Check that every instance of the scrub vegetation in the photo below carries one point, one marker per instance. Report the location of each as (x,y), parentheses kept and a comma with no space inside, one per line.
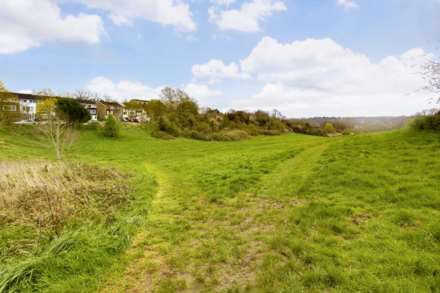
(287,213)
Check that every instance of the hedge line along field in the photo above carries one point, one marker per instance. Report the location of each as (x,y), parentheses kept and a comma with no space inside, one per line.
(289,213)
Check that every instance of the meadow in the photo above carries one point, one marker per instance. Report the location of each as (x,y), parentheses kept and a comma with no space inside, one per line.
(289,213)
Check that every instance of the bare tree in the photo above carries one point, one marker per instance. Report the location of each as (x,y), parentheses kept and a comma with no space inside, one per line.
(85,95)
(59,133)
(432,76)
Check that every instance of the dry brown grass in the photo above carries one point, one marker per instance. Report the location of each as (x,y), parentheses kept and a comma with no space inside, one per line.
(49,194)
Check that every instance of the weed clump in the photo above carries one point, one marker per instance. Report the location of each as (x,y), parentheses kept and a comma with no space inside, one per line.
(47,196)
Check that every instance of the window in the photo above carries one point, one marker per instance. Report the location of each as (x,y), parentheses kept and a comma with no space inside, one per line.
(11,108)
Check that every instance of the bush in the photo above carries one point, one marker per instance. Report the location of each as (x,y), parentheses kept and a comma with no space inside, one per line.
(270,132)
(162,135)
(431,122)
(230,135)
(165,125)
(198,135)
(111,127)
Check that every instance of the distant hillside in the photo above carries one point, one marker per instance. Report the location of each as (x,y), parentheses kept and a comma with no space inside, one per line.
(360,124)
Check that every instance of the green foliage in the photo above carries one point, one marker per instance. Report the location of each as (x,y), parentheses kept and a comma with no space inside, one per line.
(230,135)
(162,135)
(111,127)
(72,111)
(328,128)
(179,115)
(431,122)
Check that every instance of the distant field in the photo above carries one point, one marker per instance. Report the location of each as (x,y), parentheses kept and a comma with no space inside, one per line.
(288,213)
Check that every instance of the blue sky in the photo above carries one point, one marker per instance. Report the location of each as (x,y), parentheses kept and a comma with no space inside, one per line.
(303,57)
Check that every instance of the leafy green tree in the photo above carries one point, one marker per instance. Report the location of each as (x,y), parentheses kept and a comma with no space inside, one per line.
(111,127)
(72,111)
(329,128)
(155,109)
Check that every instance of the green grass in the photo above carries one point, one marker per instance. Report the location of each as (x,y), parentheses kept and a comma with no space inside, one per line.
(288,213)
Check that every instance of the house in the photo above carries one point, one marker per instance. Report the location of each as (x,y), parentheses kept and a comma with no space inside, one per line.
(23,104)
(105,108)
(134,111)
(91,106)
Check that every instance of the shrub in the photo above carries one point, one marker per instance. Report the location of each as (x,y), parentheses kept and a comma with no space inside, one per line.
(111,127)
(270,132)
(431,122)
(198,135)
(230,135)
(328,128)
(162,135)
(165,125)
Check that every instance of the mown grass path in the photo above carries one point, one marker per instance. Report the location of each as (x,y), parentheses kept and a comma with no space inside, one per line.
(200,245)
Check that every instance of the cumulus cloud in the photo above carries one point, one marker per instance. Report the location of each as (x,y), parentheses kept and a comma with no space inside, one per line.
(348,4)
(174,13)
(320,77)
(122,90)
(27,24)
(216,70)
(248,17)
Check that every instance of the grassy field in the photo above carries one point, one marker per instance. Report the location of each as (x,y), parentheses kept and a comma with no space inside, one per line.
(287,213)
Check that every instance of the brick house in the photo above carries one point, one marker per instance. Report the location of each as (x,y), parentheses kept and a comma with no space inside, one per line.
(105,108)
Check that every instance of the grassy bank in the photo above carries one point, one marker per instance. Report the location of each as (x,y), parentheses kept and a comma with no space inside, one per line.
(276,214)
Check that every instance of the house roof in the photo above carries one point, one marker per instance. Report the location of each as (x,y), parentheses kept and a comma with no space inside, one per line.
(139,101)
(85,101)
(27,96)
(110,103)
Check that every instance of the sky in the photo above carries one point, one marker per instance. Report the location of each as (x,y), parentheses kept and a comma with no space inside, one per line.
(302,57)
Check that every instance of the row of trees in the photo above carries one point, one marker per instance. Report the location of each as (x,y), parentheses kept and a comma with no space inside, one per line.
(176,114)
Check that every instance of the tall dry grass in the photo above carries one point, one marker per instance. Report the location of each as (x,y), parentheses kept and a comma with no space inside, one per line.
(49,194)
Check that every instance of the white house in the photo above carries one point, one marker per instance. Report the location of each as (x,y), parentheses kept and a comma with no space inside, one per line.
(90,106)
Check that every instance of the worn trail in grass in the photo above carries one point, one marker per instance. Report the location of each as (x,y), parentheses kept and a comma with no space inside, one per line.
(192,243)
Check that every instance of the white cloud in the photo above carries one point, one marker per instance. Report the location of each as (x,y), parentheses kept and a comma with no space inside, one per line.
(321,77)
(216,70)
(348,4)
(27,24)
(202,93)
(174,13)
(223,2)
(122,90)
(248,18)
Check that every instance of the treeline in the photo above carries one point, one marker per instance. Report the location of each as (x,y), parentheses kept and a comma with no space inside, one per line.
(176,114)
(429,120)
